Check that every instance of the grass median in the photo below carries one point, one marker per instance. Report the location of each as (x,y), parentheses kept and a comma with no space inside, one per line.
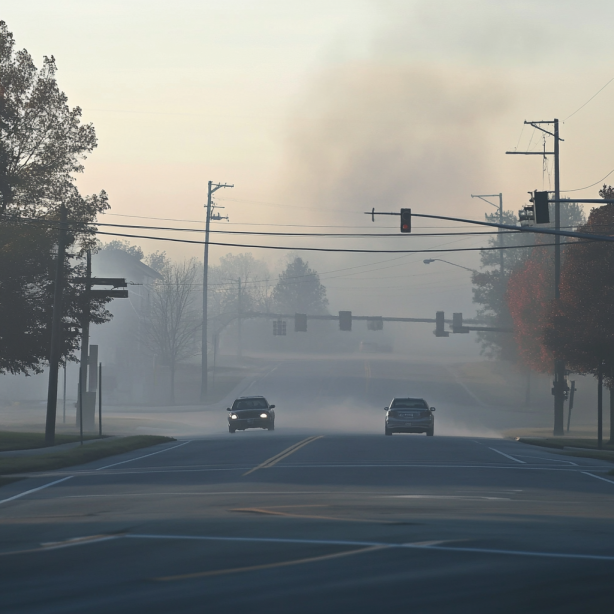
(78,455)
(16,440)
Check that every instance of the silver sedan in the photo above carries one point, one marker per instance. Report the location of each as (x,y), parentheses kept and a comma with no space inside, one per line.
(409,415)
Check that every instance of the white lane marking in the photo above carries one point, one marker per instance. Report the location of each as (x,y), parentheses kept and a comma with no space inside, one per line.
(263,540)
(78,541)
(462,497)
(27,492)
(551,460)
(413,546)
(144,456)
(336,466)
(206,494)
(598,477)
(507,456)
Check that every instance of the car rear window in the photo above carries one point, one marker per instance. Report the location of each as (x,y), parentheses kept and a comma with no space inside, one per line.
(250,404)
(409,404)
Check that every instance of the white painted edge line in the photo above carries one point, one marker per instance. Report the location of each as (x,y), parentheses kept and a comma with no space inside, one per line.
(598,477)
(508,456)
(27,492)
(185,443)
(414,546)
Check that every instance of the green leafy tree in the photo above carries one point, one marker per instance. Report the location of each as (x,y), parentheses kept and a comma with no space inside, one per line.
(42,147)
(27,272)
(299,290)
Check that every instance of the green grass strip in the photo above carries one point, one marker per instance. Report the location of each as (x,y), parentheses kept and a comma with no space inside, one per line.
(13,440)
(78,455)
(589,446)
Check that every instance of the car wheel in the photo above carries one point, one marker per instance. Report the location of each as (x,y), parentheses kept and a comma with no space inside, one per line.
(387,431)
(231,430)
(430,432)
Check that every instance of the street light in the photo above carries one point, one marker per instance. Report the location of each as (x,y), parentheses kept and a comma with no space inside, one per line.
(460,266)
(485,198)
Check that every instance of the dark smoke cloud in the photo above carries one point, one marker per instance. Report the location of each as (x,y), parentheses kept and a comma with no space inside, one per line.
(391,135)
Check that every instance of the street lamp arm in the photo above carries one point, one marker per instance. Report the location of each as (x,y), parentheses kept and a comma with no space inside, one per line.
(460,266)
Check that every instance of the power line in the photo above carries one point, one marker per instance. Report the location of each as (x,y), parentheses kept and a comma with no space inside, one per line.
(302,234)
(326,249)
(591,98)
(272,234)
(592,184)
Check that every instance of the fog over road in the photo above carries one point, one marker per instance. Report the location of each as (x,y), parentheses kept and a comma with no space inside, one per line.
(325,514)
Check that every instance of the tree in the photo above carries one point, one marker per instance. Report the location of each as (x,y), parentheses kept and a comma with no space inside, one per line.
(223,287)
(174,319)
(491,287)
(530,291)
(27,269)
(299,290)
(43,142)
(580,326)
(42,146)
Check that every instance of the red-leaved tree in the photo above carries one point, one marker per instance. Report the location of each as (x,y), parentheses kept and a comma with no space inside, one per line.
(580,327)
(530,291)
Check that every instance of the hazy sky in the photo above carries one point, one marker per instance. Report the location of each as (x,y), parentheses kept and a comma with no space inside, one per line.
(319,110)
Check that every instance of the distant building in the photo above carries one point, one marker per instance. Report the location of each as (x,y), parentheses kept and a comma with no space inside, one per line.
(129,365)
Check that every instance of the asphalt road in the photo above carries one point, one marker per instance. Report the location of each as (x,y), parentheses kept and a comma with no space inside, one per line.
(315,520)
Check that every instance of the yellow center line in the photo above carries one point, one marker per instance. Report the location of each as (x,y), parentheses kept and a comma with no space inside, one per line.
(313,559)
(283,454)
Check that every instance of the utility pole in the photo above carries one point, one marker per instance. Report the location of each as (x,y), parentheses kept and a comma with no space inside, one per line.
(239,309)
(558,389)
(500,196)
(212,187)
(85,339)
(56,334)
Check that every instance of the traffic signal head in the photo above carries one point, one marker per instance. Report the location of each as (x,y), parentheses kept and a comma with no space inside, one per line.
(300,322)
(345,320)
(440,325)
(405,220)
(540,202)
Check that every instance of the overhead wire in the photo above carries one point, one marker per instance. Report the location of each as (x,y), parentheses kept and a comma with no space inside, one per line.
(590,99)
(171,219)
(322,249)
(592,184)
(297,234)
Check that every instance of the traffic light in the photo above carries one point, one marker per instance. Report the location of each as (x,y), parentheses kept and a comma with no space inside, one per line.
(376,323)
(440,325)
(405,220)
(279,327)
(540,203)
(300,322)
(457,323)
(345,320)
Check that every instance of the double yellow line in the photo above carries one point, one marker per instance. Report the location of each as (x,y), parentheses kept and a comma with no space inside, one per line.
(291,450)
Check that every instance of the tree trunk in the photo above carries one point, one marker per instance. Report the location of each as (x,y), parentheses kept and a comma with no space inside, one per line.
(172,395)
(600,406)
